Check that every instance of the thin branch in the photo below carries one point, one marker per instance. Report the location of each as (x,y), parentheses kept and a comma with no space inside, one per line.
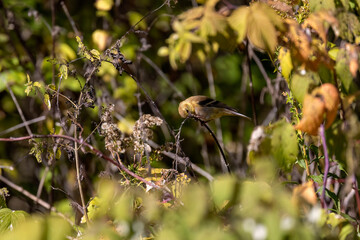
(42,181)
(183,161)
(53,38)
(342,109)
(210,77)
(92,149)
(19,110)
(162,74)
(357,197)
(266,77)
(251,82)
(34,198)
(219,146)
(326,167)
(23,124)
(132,28)
(72,23)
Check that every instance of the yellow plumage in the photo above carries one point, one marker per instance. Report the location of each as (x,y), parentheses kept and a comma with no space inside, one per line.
(206,109)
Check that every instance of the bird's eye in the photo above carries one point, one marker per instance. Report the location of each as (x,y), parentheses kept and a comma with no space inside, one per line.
(187,110)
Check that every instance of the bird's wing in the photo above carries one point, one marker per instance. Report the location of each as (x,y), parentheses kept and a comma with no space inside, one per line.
(209,102)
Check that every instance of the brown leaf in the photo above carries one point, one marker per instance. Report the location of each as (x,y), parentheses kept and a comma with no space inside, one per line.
(304,192)
(322,102)
(330,96)
(313,115)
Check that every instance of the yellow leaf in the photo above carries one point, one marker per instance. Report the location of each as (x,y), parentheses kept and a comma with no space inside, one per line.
(95,53)
(238,21)
(63,71)
(47,101)
(100,38)
(285,63)
(261,27)
(104,5)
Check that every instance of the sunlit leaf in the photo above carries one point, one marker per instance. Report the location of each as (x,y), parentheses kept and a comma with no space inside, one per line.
(10,219)
(238,21)
(317,5)
(284,144)
(47,101)
(300,84)
(104,5)
(224,190)
(100,38)
(323,101)
(285,63)
(63,71)
(262,24)
(304,192)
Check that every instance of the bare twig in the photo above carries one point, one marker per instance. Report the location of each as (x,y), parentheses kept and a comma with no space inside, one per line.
(53,38)
(210,77)
(132,28)
(251,82)
(23,124)
(357,197)
(72,23)
(92,149)
(34,198)
(183,161)
(162,74)
(266,77)
(220,148)
(19,110)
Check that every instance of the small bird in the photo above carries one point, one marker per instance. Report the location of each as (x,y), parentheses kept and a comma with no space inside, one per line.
(206,109)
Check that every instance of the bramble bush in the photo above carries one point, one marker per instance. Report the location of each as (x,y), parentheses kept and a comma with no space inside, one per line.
(92,145)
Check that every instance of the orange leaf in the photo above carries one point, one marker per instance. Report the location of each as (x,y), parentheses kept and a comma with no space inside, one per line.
(323,100)
(313,115)
(304,192)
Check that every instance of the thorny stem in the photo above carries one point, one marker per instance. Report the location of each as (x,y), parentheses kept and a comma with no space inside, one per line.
(327,165)
(251,82)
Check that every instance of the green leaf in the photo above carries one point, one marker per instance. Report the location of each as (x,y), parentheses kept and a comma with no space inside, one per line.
(135,17)
(300,84)
(317,5)
(9,219)
(347,231)
(54,228)
(223,190)
(343,70)
(284,144)
(63,71)
(349,26)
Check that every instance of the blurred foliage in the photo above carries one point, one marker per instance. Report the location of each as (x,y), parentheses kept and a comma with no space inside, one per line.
(101,81)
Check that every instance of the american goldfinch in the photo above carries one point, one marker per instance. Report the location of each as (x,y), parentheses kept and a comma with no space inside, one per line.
(206,109)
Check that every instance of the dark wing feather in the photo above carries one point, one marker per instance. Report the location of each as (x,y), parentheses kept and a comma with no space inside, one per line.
(208,102)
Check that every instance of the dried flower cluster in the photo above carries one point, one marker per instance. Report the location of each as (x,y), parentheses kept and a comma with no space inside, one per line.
(115,141)
(142,132)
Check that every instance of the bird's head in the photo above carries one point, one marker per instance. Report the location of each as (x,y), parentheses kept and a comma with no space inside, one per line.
(186,108)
